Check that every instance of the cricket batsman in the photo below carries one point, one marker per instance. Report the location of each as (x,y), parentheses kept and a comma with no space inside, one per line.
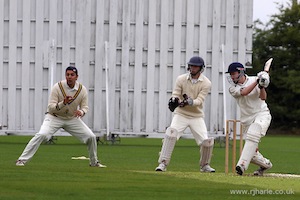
(250,94)
(187,103)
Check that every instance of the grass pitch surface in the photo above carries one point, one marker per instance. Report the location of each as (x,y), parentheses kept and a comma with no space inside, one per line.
(52,174)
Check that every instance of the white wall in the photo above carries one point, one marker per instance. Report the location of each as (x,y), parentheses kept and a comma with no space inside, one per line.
(149,43)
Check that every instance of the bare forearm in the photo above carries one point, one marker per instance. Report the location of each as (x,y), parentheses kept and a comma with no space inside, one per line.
(245,91)
(263,94)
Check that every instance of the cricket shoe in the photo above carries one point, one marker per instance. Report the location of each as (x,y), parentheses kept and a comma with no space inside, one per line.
(261,170)
(161,168)
(98,164)
(20,163)
(207,168)
(239,170)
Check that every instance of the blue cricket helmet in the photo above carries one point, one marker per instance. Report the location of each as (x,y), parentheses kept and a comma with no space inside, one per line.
(196,61)
(235,67)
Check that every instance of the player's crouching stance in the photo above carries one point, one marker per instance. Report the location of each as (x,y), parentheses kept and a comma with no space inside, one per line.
(187,103)
(250,95)
(68,102)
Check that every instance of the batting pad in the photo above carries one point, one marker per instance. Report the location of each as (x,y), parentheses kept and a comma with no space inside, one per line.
(254,133)
(261,161)
(168,146)
(206,150)
(247,153)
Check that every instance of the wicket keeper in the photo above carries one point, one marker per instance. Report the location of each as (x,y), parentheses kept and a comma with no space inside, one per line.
(187,103)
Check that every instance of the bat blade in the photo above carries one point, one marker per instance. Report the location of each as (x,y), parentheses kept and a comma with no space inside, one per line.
(268,65)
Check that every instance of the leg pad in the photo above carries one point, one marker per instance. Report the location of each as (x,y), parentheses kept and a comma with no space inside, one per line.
(168,146)
(206,150)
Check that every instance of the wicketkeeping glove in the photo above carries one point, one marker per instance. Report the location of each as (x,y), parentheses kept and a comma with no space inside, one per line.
(173,103)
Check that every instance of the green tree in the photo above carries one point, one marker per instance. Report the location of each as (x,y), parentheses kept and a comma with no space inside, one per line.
(280,39)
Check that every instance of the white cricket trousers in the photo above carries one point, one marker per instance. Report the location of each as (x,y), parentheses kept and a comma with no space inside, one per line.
(76,127)
(196,125)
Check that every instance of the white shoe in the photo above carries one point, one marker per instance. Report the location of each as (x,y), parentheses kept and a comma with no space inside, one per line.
(98,164)
(161,168)
(239,170)
(207,168)
(20,163)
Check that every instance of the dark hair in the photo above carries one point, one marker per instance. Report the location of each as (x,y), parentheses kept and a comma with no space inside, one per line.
(72,68)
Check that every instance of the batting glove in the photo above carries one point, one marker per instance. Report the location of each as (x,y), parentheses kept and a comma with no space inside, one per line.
(262,73)
(264,81)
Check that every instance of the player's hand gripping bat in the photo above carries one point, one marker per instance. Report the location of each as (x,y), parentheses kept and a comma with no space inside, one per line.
(263,77)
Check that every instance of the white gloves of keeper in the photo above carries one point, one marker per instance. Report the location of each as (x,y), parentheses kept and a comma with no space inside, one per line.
(263,79)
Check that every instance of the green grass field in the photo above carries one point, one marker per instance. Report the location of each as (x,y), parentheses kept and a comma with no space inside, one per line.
(51,174)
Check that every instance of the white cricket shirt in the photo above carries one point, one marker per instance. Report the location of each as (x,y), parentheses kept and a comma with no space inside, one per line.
(250,105)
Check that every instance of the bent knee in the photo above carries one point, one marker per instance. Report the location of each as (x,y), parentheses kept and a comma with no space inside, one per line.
(90,138)
(172,132)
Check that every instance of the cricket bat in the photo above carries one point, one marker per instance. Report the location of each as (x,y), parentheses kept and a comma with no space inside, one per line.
(268,65)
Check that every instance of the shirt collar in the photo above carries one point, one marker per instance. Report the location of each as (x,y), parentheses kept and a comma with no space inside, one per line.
(74,88)
(246,80)
(188,77)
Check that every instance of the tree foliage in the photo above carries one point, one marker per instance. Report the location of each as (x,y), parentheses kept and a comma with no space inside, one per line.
(280,39)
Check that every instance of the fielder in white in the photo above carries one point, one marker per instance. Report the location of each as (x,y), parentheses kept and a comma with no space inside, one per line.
(250,95)
(68,102)
(187,103)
